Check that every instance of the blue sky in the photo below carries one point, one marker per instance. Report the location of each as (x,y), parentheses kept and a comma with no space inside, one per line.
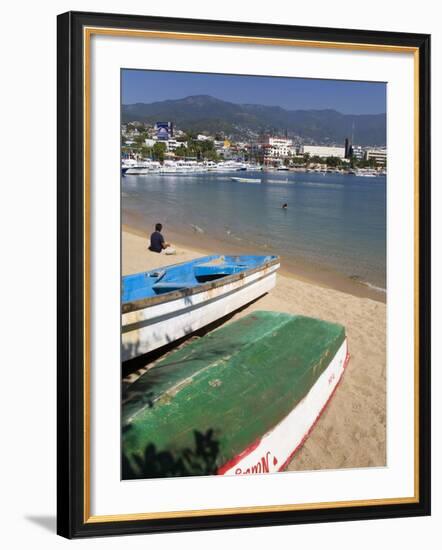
(348,97)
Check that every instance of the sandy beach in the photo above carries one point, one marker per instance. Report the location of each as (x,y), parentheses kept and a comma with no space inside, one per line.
(351,432)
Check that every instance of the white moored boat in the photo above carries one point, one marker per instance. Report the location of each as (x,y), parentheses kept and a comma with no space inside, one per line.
(229,166)
(366,173)
(139,168)
(164,305)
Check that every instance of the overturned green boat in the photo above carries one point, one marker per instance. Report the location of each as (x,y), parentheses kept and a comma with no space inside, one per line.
(240,400)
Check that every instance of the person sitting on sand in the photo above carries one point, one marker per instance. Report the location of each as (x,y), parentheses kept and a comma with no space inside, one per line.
(157,242)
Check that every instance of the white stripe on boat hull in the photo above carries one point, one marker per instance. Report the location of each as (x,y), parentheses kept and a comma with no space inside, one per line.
(276,447)
(152,327)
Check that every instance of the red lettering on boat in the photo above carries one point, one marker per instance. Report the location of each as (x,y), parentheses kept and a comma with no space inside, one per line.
(261,467)
(265,462)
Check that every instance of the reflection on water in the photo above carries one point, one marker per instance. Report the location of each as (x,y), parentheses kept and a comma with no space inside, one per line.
(338,221)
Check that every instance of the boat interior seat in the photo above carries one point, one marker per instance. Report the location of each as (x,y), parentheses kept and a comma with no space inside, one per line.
(171,286)
(221,269)
(158,275)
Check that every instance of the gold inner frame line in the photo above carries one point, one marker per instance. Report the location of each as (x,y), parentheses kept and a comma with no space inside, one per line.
(250,40)
(87,33)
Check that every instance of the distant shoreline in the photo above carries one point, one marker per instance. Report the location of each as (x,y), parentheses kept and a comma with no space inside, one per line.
(205,244)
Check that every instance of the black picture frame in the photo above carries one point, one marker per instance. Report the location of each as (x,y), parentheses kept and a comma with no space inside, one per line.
(72,393)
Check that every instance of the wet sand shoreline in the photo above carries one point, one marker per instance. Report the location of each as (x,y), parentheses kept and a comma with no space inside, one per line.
(300,269)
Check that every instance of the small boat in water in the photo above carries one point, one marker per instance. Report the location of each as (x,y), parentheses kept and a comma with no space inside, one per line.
(240,400)
(164,305)
(246,180)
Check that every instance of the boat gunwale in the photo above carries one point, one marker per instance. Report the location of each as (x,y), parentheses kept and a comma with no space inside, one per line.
(143,303)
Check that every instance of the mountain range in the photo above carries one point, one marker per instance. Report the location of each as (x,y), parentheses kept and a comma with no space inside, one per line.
(204,113)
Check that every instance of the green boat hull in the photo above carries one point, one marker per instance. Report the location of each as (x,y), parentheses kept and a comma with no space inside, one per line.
(203,405)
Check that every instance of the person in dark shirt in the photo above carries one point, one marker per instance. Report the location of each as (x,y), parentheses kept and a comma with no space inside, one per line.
(157,242)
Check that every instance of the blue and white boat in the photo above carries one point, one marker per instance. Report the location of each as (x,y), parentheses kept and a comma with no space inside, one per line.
(166,304)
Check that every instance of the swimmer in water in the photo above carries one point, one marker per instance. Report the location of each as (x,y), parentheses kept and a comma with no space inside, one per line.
(284,206)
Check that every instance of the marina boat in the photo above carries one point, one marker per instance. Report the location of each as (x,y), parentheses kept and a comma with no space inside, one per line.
(240,400)
(137,171)
(252,167)
(126,164)
(131,166)
(246,180)
(209,165)
(180,167)
(139,168)
(169,167)
(153,166)
(188,167)
(366,173)
(163,305)
(228,166)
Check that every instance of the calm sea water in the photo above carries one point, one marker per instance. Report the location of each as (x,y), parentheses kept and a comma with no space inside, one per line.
(337,221)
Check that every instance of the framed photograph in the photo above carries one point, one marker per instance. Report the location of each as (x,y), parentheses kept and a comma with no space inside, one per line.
(243,274)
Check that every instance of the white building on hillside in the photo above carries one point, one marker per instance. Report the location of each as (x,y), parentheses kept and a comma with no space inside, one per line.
(171,144)
(323,151)
(278,147)
(358,152)
(273,148)
(379,155)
